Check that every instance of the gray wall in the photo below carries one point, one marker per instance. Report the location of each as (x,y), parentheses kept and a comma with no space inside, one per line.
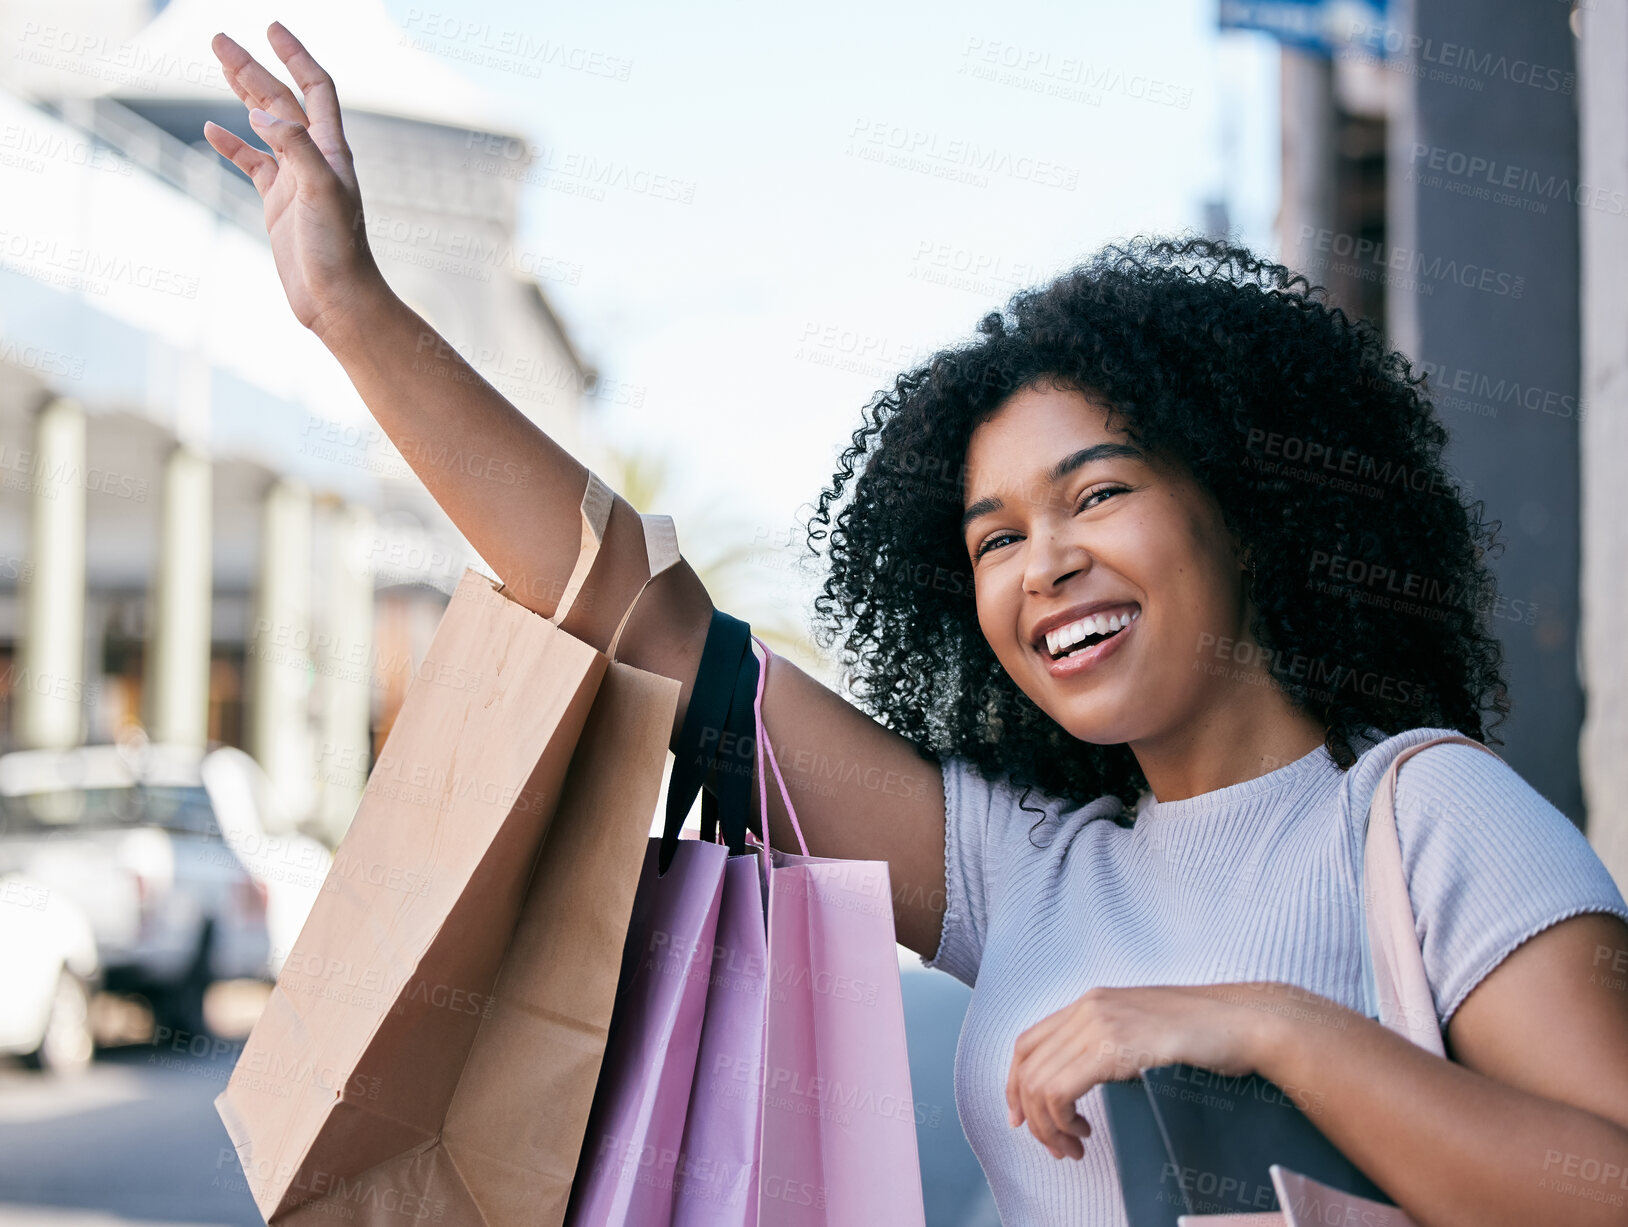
(1483,169)
(1602,78)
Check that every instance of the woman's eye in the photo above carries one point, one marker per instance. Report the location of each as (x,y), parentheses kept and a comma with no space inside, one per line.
(1088,501)
(990,544)
(1098,492)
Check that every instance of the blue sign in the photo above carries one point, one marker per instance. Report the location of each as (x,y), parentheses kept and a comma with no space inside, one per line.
(1323,26)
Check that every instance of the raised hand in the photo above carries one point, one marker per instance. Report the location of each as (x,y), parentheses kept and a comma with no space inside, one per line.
(312,203)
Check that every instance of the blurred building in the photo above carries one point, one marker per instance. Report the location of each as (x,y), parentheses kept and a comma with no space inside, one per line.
(1602,656)
(204,533)
(1457,170)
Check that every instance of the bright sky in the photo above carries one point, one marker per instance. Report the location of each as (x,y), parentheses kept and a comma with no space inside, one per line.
(802,264)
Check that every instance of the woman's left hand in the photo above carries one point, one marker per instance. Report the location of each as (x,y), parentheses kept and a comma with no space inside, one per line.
(1111,1034)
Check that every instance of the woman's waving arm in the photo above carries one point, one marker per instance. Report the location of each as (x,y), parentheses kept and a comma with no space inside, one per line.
(437,410)
(860,790)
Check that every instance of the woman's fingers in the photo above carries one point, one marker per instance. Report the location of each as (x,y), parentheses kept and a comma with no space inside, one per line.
(259,165)
(293,146)
(321,99)
(1047,1110)
(253,83)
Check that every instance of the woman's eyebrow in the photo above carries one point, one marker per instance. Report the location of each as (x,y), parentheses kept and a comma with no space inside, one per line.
(1058,471)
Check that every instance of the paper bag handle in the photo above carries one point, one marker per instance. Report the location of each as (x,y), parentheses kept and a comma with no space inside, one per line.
(597,499)
(661,552)
(1393,967)
(660,548)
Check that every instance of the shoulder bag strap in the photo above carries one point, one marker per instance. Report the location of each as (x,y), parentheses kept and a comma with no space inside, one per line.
(1395,986)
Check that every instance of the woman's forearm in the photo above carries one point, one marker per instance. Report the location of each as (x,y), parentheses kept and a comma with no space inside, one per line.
(1452,1146)
(510,489)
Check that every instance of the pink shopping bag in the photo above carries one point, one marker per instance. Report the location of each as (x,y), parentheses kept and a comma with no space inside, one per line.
(1306,1203)
(717,1184)
(718,1169)
(635,1131)
(632,1163)
(839,1123)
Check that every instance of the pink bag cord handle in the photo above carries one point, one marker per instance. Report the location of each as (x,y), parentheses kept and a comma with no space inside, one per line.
(766,750)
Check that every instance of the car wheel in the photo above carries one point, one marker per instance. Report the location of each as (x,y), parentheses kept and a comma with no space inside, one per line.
(68,1043)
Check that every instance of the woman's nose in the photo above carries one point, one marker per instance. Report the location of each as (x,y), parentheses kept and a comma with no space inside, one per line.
(1051,559)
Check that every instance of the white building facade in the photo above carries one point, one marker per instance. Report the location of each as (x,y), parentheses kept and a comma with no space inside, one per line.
(203,534)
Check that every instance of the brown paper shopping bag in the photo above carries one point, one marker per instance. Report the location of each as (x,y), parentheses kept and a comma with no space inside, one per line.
(432,1045)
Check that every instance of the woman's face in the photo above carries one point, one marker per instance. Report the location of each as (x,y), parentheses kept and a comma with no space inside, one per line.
(1066,518)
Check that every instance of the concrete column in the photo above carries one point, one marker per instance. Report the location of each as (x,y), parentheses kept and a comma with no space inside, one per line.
(1602,78)
(177,677)
(345,669)
(50,686)
(1308,122)
(281,670)
(1481,268)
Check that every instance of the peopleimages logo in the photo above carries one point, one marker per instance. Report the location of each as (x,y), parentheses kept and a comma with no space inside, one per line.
(343,1194)
(1371,255)
(1506,177)
(1449,62)
(922,149)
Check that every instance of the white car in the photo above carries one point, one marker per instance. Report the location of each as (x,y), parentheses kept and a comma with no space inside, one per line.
(129,834)
(289,865)
(48,970)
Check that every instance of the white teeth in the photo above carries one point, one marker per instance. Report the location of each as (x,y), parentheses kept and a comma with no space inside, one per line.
(1064,637)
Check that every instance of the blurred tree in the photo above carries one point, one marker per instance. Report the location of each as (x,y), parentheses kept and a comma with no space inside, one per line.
(744,570)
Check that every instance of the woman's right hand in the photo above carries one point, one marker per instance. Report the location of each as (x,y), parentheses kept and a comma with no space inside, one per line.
(312,203)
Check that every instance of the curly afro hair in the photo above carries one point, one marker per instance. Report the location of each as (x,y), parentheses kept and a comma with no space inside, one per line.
(1318,442)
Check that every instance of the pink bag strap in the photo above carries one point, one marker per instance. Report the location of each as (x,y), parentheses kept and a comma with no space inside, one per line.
(765,750)
(1393,957)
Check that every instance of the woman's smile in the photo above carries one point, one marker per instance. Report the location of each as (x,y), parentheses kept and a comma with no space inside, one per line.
(1084,650)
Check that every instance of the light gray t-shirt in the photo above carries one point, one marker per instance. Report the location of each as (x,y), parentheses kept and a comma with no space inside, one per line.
(1256,881)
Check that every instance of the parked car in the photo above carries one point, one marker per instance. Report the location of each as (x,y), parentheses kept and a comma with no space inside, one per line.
(130,836)
(291,866)
(48,971)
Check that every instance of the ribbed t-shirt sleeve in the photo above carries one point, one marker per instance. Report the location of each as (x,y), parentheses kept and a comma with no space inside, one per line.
(1490,863)
(967,804)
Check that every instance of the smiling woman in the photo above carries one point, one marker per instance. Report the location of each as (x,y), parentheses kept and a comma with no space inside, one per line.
(1123,550)
(1160,711)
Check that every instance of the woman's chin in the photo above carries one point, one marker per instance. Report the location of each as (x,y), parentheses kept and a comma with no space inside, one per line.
(1100,720)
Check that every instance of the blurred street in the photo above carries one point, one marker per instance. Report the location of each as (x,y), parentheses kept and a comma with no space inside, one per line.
(135,1138)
